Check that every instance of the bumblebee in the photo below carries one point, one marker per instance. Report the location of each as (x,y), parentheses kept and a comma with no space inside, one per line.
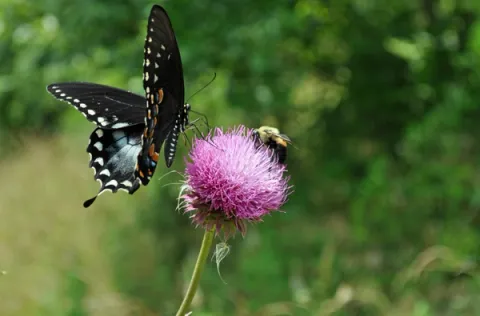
(271,137)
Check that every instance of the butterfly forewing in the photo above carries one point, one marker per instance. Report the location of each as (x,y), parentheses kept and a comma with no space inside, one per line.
(162,62)
(113,154)
(105,106)
(164,90)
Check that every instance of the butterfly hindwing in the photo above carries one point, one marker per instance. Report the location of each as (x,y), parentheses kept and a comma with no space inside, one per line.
(113,155)
(105,106)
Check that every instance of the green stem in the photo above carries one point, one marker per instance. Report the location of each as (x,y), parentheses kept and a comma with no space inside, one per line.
(197,272)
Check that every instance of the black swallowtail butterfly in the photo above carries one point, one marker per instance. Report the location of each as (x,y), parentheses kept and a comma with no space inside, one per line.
(124,148)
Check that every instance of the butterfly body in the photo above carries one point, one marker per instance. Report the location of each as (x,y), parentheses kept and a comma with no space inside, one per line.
(131,129)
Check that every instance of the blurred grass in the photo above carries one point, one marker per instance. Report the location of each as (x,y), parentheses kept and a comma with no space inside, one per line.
(51,246)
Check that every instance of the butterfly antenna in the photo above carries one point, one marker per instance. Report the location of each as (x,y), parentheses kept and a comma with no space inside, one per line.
(214,76)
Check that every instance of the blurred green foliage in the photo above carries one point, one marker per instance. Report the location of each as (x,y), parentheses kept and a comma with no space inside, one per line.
(380,99)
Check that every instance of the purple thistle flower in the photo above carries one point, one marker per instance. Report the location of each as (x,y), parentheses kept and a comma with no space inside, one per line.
(231,180)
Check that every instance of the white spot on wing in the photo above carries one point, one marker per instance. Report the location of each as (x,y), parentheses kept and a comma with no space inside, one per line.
(63,94)
(119,125)
(99,160)
(112,182)
(105,172)
(98,145)
(162,47)
(76,100)
(155,78)
(91,112)
(127,183)
(83,105)
(99,133)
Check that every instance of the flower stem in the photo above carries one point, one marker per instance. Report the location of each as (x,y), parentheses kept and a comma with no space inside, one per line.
(197,271)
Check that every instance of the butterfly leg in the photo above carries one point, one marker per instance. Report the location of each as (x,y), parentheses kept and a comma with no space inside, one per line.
(203,116)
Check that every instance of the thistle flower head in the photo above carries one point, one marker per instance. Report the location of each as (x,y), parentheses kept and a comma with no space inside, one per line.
(231,180)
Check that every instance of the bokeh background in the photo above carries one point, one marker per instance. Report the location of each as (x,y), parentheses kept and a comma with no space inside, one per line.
(381,99)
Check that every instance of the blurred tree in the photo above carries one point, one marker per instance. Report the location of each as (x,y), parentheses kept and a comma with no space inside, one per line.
(380,100)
